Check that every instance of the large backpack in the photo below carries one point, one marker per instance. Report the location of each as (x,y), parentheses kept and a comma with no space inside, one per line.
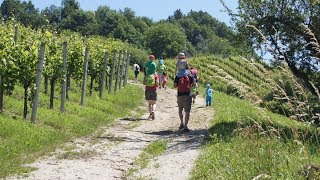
(150,80)
(184,84)
(162,67)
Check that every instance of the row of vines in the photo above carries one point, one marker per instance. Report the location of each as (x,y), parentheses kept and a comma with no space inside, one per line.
(29,57)
(273,88)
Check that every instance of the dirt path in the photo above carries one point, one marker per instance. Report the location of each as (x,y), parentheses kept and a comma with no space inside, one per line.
(110,153)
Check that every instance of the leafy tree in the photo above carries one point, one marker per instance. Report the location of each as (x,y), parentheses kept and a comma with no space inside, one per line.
(290,29)
(52,14)
(127,32)
(165,39)
(80,21)
(128,13)
(11,8)
(107,19)
(69,7)
(24,12)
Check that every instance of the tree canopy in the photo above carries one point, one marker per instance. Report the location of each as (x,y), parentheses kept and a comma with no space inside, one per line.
(289,29)
(197,32)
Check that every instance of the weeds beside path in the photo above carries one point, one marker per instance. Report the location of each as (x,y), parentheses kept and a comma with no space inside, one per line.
(114,152)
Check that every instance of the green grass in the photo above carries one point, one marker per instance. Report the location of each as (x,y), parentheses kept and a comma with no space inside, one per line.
(21,142)
(247,141)
(153,149)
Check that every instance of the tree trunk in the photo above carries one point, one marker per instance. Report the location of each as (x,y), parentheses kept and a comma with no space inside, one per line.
(52,83)
(296,72)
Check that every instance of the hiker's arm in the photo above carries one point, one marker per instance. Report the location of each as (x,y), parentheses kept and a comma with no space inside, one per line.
(175,82)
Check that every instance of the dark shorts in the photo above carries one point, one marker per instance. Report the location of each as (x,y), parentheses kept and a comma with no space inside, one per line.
(184,102)
(151,94)
(136,73)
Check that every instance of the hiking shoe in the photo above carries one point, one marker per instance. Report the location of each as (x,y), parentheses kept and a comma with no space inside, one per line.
(181,126)
(150,116)
(186,129)
(153,116)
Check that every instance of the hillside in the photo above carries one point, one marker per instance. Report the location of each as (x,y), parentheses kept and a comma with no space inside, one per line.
(273,88)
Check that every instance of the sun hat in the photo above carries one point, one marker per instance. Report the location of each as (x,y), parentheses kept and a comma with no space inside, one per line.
(208,86)
(181,56)
(151,57)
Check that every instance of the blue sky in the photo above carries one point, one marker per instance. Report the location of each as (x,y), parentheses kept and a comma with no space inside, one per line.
(156,10)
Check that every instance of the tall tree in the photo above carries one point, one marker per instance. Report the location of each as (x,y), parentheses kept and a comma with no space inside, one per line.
(165,39)
(52,14)
(69,7)
(290,29)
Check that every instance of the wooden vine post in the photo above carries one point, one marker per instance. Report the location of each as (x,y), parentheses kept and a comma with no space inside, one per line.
(85,74)
(118,72)
(126,70)
(122,70)
(64,80)
(103,75)
(112,71)
(35,100)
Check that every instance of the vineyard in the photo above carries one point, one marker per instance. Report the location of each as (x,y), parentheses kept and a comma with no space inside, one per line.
(29,55)
(41,69)
(273,88)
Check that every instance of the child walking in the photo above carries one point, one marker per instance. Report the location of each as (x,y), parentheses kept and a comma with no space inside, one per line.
(164,80)
(209,93)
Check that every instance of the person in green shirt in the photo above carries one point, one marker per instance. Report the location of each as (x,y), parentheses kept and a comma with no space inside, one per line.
(160,70)
(150,66)
(151,80)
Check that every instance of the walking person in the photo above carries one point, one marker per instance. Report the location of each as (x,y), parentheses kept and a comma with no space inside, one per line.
(209,92)
(184,98)
(194,89)
(164,78)
(136,69)
(160,70)
(151,80)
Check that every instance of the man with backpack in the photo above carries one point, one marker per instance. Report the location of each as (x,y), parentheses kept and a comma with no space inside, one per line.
(151,80)
(184,98)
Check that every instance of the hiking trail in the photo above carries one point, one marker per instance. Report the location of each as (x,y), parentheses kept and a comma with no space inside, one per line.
(111,151)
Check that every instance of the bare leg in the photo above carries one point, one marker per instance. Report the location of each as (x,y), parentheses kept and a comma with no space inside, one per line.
(181,117)
(186,118)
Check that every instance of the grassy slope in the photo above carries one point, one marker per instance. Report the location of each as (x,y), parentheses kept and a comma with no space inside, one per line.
(21,142)
(247,141)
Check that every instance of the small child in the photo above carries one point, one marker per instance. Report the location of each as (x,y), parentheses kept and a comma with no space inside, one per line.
(182,65)
(164,80)
(209,93)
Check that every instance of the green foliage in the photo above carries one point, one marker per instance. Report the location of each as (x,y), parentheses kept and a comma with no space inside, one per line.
(165,39)
(289,30)
(273,88)
(248,142)
(18,137)
(153,150)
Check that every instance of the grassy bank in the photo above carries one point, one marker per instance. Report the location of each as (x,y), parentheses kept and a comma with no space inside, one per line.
(248,142)
(21,142)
